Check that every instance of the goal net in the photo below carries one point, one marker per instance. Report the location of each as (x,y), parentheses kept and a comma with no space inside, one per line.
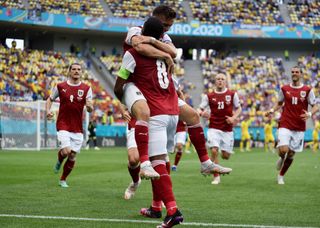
(24,126)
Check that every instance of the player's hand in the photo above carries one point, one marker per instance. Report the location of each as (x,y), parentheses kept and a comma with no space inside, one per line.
(181,95)
(126,116)
(170,64)
(230,120)
(203,114)
(306,115)
(89,106)
(50,115)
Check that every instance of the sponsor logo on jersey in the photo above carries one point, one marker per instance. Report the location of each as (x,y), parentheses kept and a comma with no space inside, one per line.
(64,90)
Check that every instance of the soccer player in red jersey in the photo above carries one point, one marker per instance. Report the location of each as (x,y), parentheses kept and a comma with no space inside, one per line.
(151,77)
(74,95)
(162,49)
(225,108)
(294,99)
(180,139)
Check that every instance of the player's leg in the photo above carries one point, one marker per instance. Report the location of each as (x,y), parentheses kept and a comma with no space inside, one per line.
(94,138)
(134,170)
(315,144)
(248,142)
(159,128)
(88,143)
(67,168)
(138,107)
(213,142)
(226,147)
(295,145)
(64,150)
(133,165)
(242,142)
(180,139)
(76,140)
(196,134)
(179,149)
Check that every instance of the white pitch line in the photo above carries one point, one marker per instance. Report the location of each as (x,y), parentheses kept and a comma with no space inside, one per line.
(144,221)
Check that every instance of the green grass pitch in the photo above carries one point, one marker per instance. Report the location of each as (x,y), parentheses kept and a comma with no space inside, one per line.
(248,196)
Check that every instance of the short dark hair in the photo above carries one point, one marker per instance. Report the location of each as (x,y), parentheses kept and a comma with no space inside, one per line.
(72,65)
(153,27)
(297,67)
(164,10)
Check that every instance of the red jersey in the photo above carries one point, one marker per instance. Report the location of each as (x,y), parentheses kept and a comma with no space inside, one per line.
(181,126)
(221,105)
(72,102)
(296,99)
(152,79)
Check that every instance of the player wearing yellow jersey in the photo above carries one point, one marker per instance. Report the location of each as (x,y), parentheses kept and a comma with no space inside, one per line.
(268,136)
(315,136)
(245,135)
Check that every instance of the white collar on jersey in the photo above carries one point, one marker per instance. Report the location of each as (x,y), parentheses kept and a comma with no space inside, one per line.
(225,90)
(296,87)
(70,84)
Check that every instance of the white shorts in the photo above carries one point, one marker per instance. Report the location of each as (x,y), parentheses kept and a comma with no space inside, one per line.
(131,140)
(131,95)
(293,139)
(221,139)
(181,102)
(180,137)
(162,129)
(70,139)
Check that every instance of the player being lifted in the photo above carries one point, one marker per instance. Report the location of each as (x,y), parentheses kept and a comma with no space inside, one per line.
(294,99)
(73,95)
(151,77)
(225,108)
(162,49)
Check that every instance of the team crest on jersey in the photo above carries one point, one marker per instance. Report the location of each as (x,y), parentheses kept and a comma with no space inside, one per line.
(303,94)
(228,99)
(80,92)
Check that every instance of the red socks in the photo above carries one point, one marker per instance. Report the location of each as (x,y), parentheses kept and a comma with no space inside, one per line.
(177,158)
(287,163)
(196,135)
(134,173)
(163,187)
(67,168)
(142,139)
